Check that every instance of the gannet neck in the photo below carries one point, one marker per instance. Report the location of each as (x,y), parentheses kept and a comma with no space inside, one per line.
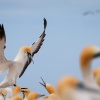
(50,88)
(20,56)
(16,90)
(27,93)
(9,92)
(87,72)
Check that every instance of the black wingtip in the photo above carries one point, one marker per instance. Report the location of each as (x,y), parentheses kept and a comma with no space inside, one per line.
(14,85)
(45,23)
(2,32)
(2,27)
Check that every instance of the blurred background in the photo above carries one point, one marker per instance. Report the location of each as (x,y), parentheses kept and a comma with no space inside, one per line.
(72,25)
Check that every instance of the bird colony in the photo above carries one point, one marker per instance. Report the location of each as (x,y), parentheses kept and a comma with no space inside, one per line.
(67,87)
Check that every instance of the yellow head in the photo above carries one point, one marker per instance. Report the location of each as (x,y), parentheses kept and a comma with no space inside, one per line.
(66,83)
(50,88)
(26,49)
(17,98)
(4,92)
(45,97)
(25,91)
(16,90)
(88,53)
(52,96)
(33,96)
(96,74)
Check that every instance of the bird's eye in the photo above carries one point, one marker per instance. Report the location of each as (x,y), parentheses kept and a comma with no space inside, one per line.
(28,53)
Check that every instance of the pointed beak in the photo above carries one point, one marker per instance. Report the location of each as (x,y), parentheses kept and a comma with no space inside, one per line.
(14,85)
(41,95)
(23,94)
(4,96)
(96,55)
(44,83)
(30,58)
(83,87)
(23,89)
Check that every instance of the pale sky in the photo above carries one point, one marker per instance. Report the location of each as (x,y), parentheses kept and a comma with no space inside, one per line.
(67,33)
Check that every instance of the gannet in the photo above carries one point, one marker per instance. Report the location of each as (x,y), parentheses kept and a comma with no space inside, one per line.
(87,55)
(17,67)
(71,88)
(3,94)
(16,93)
(9,93)
(48,87)
(26,92)
(34,96)
(96,74)
(53,96)
(51,90)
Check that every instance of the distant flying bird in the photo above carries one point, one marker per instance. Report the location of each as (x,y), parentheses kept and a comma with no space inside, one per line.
(88,13)
(17,67)
(91,12)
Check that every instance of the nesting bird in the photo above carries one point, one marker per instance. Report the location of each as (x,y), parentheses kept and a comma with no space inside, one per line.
(71,88)
(87,55)
(16,91)
(26,92)
(34,96)
(50,89)
(17,67)
(96,74)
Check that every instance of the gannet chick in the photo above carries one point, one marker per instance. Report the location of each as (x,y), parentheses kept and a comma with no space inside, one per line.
(48,87)
(34,96)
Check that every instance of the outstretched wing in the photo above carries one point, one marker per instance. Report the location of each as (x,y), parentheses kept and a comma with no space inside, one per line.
(2,43)
(35,48)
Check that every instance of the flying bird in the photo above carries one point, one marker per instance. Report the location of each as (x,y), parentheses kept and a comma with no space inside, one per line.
(91,12)
(17,67)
